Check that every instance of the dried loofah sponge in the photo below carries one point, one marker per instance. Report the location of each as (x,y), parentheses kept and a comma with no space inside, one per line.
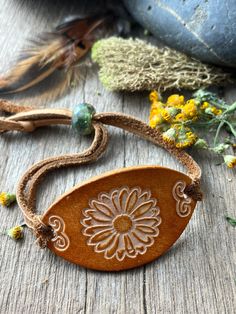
(134,65)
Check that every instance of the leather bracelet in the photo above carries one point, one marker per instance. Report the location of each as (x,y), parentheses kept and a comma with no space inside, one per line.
(118,220)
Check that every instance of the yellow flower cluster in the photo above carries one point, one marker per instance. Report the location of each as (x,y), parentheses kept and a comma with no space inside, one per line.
(169,118)
(210,109)
(179,135)
(175,116)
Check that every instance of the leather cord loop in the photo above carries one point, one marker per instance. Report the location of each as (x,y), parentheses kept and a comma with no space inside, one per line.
(26,191)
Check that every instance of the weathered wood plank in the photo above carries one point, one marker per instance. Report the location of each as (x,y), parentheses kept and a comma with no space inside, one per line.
(196,276)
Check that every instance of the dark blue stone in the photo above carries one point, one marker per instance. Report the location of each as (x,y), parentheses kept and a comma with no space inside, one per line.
(204,29)
(82,118)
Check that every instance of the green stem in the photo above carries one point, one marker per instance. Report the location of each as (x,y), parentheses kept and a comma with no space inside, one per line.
(209,123)
(218,131)
(231,127)
(231,108)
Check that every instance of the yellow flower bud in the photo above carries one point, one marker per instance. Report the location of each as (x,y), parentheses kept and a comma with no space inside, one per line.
(185,137)
(180,117)
(215,111)
(15,233)
(155,120)
(7,199)
(190,109)
(230,161)
(175,100)
(204,105)
(153,96)
(169,135)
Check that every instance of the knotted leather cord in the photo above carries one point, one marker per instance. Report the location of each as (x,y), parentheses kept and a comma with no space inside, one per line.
(27,119)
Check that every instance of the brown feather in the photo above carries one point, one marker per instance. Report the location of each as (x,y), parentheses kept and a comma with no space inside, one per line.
(59,50)
(70,79)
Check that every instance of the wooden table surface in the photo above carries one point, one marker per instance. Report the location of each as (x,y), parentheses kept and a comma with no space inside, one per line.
(197,275)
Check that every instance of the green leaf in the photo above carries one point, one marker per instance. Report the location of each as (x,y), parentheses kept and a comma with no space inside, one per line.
(220,148)
(231,221)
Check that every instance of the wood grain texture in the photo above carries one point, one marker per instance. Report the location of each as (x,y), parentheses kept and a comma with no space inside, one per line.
(196,276)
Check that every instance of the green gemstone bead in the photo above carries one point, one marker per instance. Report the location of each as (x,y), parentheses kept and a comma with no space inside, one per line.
(82,118)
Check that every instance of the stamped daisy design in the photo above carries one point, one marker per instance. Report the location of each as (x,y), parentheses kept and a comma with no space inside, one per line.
(121,223)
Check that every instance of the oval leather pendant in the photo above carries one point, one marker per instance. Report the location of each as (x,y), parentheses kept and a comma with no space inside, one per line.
(122,219)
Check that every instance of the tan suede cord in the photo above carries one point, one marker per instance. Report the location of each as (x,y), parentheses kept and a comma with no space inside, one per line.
(27,120)
(27,186)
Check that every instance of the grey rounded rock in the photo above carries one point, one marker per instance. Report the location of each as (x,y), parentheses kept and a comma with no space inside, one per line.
(204,29)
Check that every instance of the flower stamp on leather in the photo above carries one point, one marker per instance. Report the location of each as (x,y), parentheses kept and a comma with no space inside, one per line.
(121,223)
